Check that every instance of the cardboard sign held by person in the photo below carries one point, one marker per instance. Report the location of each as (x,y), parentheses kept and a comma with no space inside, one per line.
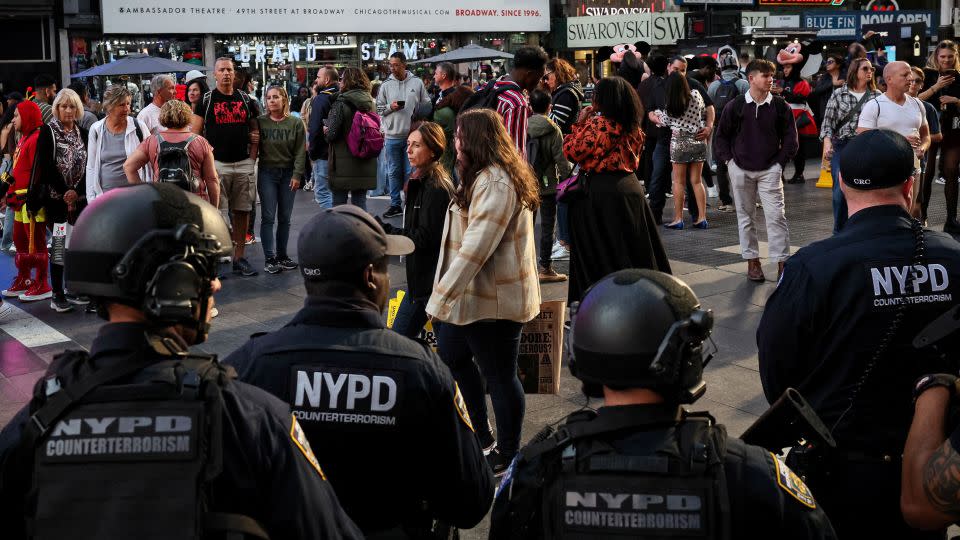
(427,335)
(541,348)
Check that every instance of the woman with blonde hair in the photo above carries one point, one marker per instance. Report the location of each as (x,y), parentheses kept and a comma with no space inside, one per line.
(486,285)
(348,174)
(59,185)
(943,91)
(175,117)
(112,140)
(428,196)
(283,160)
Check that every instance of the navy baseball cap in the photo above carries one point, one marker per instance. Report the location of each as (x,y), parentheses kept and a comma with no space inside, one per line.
(877,159)
(345,239)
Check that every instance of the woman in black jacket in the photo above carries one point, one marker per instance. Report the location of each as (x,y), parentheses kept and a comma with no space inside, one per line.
(428,196)
(58,188)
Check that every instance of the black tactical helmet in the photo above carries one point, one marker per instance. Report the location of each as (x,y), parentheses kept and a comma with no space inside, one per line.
(154,247)
(639,329)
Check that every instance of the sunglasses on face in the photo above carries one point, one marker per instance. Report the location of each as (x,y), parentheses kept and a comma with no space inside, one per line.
(867,68)
(831,62)
(547,75)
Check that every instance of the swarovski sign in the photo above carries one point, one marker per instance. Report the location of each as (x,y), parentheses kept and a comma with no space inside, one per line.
(654,28)
(324,16)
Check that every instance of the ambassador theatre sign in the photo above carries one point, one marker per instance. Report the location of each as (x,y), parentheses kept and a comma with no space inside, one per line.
(310,16)
(654,28)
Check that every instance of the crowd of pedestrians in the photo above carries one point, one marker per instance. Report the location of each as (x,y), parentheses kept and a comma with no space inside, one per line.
(468,169)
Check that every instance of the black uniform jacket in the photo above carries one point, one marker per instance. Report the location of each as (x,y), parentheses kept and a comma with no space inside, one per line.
(266,476)
(763,494)
(382,412)
(835,304)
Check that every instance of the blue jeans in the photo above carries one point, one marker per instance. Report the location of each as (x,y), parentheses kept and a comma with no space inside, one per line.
(494,346)
(839,202)
(358,197)
(276,205)
(382,173)
(397,168)
(411,316)
(321,186)
(563,226)
(7,240)
(660,178)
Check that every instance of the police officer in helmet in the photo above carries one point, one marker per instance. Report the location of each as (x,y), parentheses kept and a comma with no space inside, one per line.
(385,415)
(140,438)
(642,466)
(841,328)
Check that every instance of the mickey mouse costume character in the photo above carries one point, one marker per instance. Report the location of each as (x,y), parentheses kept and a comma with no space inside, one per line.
(796,92)
(29,233)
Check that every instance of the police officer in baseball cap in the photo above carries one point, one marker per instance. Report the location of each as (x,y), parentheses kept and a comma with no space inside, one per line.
(397,441)
(840,328)
(642,466)
(141,438)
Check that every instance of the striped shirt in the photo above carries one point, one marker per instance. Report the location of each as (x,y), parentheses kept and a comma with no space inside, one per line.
(514,109)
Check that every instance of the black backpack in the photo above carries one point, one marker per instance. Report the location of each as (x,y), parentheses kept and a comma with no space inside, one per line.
(173,164)
(487,97)
(726,92)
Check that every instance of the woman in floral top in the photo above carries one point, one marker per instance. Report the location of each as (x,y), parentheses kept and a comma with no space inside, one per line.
(59,187)
(685,118)
(611,224)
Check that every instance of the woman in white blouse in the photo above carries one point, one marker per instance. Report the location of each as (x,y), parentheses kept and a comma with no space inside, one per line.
(684,116)
(110,141)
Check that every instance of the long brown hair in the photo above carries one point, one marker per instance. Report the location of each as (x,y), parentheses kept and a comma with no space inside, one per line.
(485,143)
(854,69)
(436,141)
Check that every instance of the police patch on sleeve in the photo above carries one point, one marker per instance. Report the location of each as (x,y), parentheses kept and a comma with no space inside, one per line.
(461,406)
(301,442)
(792,484)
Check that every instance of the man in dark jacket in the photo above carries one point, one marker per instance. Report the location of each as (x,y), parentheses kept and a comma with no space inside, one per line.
(549,166)
(318,149)
(399,447)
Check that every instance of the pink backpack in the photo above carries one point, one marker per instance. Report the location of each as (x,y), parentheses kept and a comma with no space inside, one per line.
(365,140)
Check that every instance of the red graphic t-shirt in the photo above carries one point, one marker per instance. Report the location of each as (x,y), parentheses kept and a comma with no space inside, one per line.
(226,124)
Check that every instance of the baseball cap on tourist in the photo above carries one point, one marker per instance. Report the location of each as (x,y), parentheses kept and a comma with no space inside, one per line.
(877,159)
(193,74)
(345,239)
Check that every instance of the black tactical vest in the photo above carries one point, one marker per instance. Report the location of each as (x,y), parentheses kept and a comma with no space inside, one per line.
(131,460)
(674,489)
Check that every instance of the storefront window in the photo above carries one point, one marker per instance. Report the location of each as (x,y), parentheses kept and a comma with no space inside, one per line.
(290,61)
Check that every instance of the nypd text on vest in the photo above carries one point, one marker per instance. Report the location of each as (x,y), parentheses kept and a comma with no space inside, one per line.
(112,435)
(633,510)
(348,398)
(895,285)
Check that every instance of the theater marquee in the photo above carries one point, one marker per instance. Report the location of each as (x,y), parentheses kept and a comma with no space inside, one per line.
(324,16)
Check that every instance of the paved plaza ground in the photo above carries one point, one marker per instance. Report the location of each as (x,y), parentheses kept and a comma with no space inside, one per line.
(708,260)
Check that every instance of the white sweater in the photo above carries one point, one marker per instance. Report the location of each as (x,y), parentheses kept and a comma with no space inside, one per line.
(94,145)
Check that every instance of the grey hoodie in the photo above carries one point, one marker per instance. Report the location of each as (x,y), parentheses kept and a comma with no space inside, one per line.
(396,124)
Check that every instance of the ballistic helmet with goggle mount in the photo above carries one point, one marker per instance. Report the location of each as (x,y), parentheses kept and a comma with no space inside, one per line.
(640,329)
(153,247)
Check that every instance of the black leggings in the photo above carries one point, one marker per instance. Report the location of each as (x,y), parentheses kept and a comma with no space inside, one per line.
(949,168)
(926,182)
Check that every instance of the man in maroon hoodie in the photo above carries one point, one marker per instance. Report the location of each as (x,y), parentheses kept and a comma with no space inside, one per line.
(29,233)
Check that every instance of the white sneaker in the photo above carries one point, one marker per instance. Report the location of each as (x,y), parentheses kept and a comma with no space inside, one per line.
(225,259)
(214,312)
(308,186)
(940,180)
(560,253)
(713,192)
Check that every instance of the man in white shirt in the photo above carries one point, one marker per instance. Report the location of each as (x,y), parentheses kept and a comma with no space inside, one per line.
(163,88)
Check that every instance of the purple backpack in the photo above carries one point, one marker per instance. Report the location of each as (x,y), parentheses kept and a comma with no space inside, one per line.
(365,140)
